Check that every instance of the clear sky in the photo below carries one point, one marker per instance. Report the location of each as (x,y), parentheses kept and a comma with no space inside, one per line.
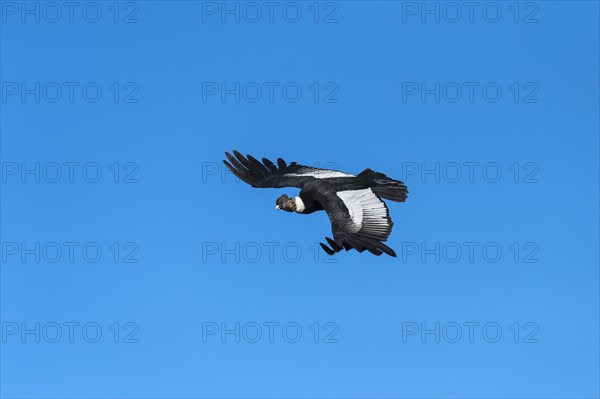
(134,266)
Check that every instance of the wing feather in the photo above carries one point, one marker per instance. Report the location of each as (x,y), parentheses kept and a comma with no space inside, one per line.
(359,220)
(270,165)
(268,174)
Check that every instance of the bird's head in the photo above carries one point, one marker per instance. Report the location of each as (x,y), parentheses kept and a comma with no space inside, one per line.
(286,203)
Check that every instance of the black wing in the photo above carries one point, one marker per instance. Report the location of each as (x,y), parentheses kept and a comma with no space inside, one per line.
(359,219)
(266,174)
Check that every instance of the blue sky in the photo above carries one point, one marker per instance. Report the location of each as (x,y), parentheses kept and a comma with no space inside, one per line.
(134,265)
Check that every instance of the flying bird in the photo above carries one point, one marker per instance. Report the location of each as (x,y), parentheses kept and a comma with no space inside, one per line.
(359,218)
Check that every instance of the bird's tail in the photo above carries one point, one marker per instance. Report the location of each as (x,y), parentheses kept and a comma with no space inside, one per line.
(386,188)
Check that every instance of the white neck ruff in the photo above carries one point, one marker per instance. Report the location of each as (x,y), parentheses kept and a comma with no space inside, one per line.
(299,205)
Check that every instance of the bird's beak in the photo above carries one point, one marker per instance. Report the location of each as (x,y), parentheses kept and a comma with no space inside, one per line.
(277,207)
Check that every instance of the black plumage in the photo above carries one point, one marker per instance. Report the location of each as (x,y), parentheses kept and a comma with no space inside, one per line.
(359,218)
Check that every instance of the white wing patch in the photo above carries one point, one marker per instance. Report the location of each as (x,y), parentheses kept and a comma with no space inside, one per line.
(320,173)
(367,211)
(355,209)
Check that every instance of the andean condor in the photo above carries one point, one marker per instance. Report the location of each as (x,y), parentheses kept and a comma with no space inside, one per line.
(359,218)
